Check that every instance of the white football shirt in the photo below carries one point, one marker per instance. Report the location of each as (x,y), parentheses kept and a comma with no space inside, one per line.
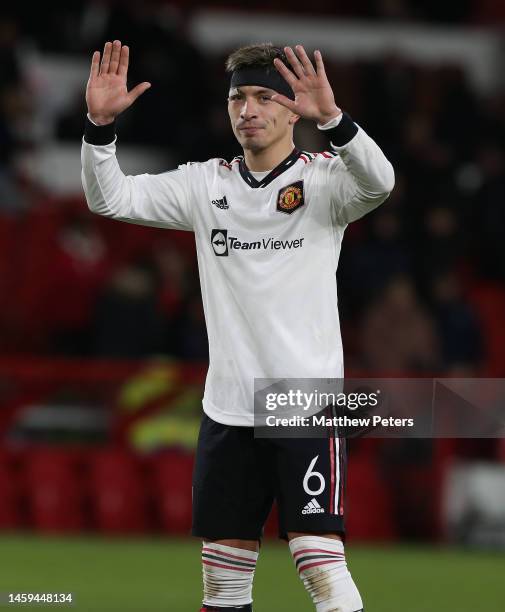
(267,254)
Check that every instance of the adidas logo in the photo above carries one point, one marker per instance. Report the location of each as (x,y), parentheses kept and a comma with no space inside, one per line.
(221,203)
(313,507)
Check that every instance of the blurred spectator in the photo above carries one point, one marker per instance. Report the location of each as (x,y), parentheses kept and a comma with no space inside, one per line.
(78,271)
(488,212)
(375,259)
(438,244)
(426,163)
(14,109)
(174,276)
(386,114)
(127,320)
(397,334)
(189,331)
(56,264)
(457,324)
(455,105)
(407,466)
(221,141)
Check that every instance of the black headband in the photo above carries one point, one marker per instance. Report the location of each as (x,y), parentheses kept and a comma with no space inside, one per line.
(266,77)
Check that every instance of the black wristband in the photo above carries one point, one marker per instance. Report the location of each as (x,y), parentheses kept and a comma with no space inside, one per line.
(99,134)
(345,131)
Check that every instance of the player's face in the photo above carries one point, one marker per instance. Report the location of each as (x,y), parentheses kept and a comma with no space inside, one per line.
(257,121)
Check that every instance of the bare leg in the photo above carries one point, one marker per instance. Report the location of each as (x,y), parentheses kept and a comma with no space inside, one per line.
(245,544)
(296,534)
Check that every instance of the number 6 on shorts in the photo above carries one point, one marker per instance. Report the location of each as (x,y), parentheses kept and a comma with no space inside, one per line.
(310,474)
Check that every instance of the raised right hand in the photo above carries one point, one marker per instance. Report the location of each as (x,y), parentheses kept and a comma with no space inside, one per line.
(106,93)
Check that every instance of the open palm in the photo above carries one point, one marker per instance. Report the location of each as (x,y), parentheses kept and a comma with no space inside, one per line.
(107,94)
(313,93)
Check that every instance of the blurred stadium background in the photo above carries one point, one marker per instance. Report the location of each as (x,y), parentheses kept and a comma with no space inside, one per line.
(102,337)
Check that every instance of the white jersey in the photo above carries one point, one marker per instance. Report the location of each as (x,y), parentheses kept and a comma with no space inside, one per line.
(267,254)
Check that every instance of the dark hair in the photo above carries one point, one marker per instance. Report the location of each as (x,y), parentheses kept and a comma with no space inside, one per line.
(254,56)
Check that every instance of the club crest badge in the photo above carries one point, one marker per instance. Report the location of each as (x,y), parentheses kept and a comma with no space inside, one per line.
(290,198)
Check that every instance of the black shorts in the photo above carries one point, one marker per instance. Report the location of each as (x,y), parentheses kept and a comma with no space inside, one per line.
(237,477)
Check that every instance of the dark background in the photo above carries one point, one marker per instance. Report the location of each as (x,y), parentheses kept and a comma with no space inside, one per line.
(87,303)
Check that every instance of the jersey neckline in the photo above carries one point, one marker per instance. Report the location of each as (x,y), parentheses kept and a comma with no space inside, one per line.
(279,169)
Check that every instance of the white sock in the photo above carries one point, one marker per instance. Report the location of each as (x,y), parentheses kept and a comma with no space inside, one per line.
(228,574)
(322,567)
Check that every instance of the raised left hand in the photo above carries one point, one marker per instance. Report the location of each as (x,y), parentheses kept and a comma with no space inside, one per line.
(313,93)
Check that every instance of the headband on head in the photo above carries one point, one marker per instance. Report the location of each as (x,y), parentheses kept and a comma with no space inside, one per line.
(265,76)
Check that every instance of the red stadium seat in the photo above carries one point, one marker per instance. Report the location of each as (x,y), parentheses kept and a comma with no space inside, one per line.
(9,511)
(171,476)
(368,503)
(116,492)
(488,299)
(500,450)
(52,490)
(272,524)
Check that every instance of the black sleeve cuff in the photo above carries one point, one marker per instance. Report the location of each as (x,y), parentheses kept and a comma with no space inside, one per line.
(345,131)
(99,134)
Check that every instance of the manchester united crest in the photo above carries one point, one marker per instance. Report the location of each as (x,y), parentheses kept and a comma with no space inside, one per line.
(290,198)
